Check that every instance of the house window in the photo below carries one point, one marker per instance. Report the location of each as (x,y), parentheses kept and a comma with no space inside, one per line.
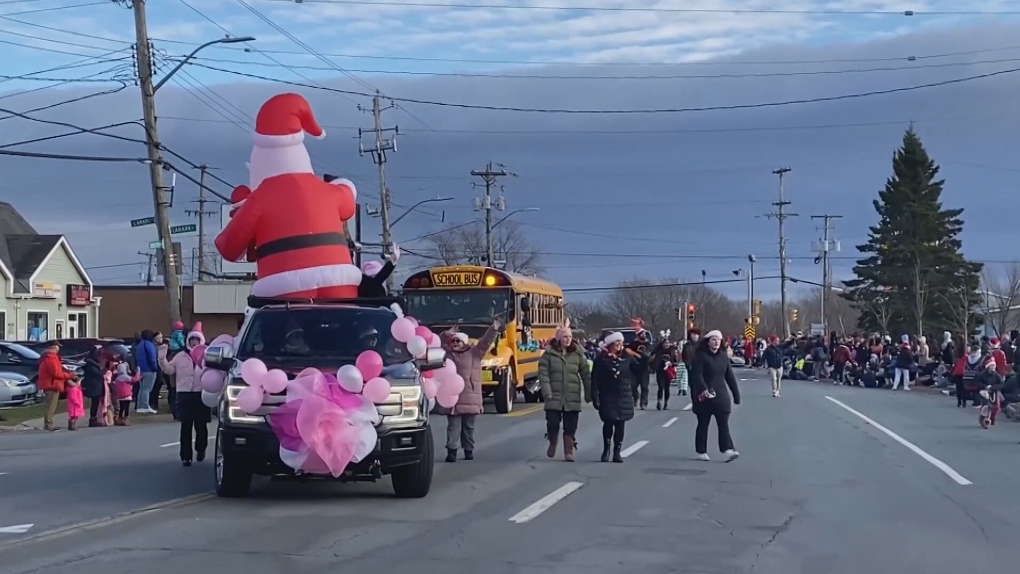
(3,325)
(38,325)
(83,324)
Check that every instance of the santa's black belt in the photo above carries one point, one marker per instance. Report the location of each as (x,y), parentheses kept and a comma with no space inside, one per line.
(296,242)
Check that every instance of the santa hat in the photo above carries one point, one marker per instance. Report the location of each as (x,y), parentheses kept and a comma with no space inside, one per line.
(994,342)
(283,121)
(196,331)
(371,268)
(614,337)
(990,363)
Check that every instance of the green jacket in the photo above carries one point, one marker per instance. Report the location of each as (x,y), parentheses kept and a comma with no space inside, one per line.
(564,375)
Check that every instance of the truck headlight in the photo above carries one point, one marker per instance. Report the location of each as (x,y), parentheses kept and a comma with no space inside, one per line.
(410,405)
(236,415)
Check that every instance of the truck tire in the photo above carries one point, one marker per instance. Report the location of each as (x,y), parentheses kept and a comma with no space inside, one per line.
(415,480)
(233,480)
(506,392)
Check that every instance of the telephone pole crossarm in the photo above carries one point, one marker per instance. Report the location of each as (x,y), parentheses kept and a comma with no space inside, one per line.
(824,247)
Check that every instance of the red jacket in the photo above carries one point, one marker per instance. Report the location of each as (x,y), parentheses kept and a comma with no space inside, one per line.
(1000,361)
(52,375)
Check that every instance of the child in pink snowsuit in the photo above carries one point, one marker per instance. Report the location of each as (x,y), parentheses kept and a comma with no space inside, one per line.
(75,403)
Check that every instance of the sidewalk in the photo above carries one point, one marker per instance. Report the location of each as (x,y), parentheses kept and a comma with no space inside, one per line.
(60,421)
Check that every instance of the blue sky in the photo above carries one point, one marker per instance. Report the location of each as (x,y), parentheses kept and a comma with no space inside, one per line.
(620,196)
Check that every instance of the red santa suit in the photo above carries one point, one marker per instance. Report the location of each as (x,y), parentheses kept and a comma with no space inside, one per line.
(293,219)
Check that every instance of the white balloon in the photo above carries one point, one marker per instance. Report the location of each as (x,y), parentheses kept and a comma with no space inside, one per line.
(350,378)
(417,346)
(211,400)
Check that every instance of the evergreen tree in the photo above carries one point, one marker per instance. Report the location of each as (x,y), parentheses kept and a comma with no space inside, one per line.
(912,277)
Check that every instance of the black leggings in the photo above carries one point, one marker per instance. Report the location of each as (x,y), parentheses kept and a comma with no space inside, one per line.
(662,393)
(613,431)
(124,408)
(722,423)
(94,408)
(568,418)
(640,390)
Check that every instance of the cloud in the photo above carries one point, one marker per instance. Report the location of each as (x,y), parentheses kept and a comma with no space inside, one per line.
(620,196)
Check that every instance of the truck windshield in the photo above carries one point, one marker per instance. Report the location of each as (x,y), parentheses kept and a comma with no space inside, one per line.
(452,306)
(336,335)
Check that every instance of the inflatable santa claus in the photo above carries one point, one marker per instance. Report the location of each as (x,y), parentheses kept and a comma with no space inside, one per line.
(287,220)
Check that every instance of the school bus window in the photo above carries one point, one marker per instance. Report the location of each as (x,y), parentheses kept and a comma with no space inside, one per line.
(469,306)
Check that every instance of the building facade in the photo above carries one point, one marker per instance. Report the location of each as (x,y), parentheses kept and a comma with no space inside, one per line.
(130,309)
(45,292)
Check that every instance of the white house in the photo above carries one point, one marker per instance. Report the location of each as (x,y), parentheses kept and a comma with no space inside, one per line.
(45,292)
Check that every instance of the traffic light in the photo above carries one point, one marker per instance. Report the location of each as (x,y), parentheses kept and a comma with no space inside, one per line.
(691,315)
(757,308)
(793,315)
(690,326)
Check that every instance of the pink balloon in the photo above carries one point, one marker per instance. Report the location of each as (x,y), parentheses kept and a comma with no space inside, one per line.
(250,399)
(447,401)
(423,332)
(275,381)
(453,385)
(376,390)
(370,363)
(435,341)
(213,381)
(428,374)
(197,354)
(252,371)
(413,320)
(430,388)
(402,329)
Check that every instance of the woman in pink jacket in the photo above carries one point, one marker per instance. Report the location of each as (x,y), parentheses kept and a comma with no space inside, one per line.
(193,414)
(460,420)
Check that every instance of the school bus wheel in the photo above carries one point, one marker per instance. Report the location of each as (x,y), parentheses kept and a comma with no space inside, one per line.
(506,391)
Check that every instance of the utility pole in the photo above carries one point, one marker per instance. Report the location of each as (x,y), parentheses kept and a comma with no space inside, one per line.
(823,247)
(381,145)
(149,256)
(171,280)
(201,213)
(781,216)
(489,176)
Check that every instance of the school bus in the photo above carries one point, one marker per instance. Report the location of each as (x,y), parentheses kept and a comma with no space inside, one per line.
(469,297)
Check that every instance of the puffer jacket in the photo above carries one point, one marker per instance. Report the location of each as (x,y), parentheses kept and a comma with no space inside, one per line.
(188,374)
(469,367)
(565,378)
(612,383)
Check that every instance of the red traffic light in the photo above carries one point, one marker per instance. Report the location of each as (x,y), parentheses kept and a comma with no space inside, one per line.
(690,307)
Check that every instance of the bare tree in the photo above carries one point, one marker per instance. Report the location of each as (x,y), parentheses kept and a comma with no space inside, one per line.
(466,245)
(658,303)
(959,310)
(840,314)
(919,288)
(1000,293)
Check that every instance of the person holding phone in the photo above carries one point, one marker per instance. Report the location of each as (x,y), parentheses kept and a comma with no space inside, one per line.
(712,382)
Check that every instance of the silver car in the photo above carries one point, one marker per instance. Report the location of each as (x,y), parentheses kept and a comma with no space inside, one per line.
(16,389)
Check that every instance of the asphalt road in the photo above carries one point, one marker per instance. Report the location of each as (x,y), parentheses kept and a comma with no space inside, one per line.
(818,489)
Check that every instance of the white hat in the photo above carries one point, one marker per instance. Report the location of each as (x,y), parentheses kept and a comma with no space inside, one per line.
(462,337)
(614,337)
(715,333)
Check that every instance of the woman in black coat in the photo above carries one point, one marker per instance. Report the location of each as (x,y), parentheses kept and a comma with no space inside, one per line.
(93,383)
(612,383)
(712,382)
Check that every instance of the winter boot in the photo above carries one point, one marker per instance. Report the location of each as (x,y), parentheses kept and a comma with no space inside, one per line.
(94,422)
(658,405)
(605,451)
(553,440)
(617,454)
(71,424)
(469,455)
(451,455)
(568,448)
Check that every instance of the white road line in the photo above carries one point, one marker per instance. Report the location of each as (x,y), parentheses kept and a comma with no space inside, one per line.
(545,503)
(948,470)
(633,448)
(669,423)
(688,406)
(16,529)
(169,444)
(3,473)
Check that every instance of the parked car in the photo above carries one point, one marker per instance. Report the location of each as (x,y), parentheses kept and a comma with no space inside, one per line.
(16,389)
(74,349)
(24,361)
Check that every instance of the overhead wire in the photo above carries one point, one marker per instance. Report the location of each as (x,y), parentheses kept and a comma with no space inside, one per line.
(55,8)
(646,111)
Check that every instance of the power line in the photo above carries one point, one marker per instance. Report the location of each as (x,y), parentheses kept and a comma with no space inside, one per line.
(648,111)
(659,10)
(56,8)
(623,77)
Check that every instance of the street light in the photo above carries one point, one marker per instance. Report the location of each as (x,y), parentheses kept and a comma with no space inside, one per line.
(188,58)
(415,206)
(514,212)
(750,288)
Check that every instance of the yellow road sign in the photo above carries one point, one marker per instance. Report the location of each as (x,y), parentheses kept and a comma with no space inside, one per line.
(748,331)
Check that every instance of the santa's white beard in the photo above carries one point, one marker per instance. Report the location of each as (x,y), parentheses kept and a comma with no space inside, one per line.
(267,162)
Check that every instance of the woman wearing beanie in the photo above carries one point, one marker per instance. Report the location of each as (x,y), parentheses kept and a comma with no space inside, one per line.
(566,383)
(612,387)
(712,382)
(193,414)
(460,419)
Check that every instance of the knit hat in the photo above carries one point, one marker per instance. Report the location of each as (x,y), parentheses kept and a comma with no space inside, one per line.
(904,338)
(994,342)
(990,363)
(614,337)
(283,121)
(196,331)
(462,337)
(371,268)
(178,326)
(714,333)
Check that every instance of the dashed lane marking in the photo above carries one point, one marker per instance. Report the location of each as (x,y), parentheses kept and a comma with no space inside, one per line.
(16,529)
(633,448)
(669,423)
(545,503)
(948,470)
(688,406)
(169,444)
